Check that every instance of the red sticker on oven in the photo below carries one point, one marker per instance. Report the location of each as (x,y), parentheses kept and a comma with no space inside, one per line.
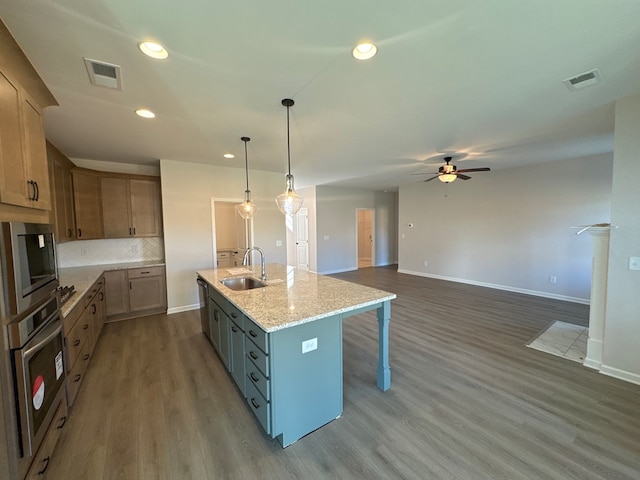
(38,392)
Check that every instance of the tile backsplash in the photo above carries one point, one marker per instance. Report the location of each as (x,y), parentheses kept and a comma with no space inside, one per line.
(117,250)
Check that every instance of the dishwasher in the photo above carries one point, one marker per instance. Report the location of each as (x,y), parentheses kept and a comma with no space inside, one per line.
(203,291)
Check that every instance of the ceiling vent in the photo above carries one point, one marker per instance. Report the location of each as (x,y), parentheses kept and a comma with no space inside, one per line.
(583,80)
(104,74)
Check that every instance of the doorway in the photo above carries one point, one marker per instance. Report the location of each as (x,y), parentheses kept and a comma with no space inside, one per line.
(232,235)
(302,238)
(365,234)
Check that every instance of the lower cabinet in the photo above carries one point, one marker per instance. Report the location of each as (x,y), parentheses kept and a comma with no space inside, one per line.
(291,378)
(82,328)
(40,463)
(135,292)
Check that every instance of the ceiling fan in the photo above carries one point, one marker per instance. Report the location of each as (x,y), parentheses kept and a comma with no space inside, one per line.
(448,173)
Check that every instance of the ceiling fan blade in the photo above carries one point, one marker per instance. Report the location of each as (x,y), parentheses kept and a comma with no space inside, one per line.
(429,179)
(425,173)
(483,169)
(463,177)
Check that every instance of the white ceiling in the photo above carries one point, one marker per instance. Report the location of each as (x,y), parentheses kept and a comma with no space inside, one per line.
(477,77)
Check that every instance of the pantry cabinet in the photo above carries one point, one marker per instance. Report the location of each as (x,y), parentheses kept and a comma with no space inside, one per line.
(24,174)
(60,172)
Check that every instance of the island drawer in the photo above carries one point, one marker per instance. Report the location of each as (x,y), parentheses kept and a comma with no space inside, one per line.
(218,298)
(256,334)
(259,406)
(257,357)
(256,377)
(235,315)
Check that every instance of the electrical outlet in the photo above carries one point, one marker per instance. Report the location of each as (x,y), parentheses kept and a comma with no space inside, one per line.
(134,248)
(83,251)
(278,243)
(310,345)
(634,263)
(552,279)
(425,263)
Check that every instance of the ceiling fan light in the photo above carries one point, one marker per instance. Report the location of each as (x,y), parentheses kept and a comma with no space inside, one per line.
(447,177)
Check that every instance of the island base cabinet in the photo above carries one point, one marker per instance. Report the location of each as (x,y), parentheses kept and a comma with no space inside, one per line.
(306,378)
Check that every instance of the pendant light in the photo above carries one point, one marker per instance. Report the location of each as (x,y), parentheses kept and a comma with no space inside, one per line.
(289,202)
(246,209)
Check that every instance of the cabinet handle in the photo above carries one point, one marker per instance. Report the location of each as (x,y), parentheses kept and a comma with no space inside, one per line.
(37,191)
(33,187)
(46,465)
(101,296)
(93,309)
(85,326)
(134,230)
(85,356)
(130,232)
(145,273)
(233,315)
(69,232)
(254,403)
(76,343)
(130,286)
(79,232)
(253,355)
(77,377)
(253,377)
(252,333)
(63,420)
(234,329)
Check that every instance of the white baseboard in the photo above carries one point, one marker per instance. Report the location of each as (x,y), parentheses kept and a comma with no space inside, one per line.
(341,270)
(499,287)
(183,308)
(620,374)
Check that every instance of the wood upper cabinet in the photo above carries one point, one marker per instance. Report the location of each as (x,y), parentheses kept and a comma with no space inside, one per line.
(24,179)
(130,207)
(87,205)
(62,186)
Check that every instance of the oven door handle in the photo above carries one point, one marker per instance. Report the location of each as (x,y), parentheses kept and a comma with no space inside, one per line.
(50,332)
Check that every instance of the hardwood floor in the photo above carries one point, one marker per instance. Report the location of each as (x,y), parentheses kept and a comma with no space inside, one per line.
(468,400)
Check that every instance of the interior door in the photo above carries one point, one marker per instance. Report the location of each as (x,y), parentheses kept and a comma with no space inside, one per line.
(302,239)
(365,237)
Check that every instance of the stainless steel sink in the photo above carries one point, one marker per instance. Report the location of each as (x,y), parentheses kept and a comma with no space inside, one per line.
(242,283)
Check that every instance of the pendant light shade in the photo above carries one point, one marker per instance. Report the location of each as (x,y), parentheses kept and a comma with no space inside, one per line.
(289,202)
(246,209)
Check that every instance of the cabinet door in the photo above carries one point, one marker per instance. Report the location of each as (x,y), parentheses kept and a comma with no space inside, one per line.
(214,319)
(237,356)
(116,288)
(86,200)
(13,181)
(63,200)
(35,155)
(146,293)
(116,207)
(146,211)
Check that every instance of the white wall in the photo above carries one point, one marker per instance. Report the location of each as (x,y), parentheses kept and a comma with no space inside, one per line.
(187,190)
(508,228)
(336,219)
(621,355)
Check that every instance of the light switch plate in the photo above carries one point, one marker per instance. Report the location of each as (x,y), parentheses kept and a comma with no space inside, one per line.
(310,345)
(634,263)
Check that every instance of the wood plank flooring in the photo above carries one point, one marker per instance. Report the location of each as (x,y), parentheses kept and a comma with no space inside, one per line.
(468,400)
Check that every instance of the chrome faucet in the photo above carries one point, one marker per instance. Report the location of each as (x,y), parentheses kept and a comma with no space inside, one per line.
(246,257)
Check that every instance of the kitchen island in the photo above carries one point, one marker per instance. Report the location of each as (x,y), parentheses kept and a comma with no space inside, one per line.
(282,343)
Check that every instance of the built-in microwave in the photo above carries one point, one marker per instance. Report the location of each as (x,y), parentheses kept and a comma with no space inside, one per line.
(28,256)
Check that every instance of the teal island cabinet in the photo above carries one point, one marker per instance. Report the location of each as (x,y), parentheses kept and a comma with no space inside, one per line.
(282,343)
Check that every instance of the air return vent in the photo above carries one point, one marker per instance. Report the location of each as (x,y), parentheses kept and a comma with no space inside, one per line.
(585,79)
(104,74)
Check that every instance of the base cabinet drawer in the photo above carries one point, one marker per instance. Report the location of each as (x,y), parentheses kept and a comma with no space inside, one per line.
(38,469)
(257,356)
(259,406)
(256,334)
(256,377)
(76,375)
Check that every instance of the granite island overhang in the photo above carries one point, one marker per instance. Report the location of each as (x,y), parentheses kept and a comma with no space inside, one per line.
(293,330)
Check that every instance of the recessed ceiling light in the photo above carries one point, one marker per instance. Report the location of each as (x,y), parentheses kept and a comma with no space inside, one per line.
(364,51)
(229,155)
(153,50)
(144,113)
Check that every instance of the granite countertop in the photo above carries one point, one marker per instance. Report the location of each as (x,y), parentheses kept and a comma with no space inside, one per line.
(82,278)
(293,296)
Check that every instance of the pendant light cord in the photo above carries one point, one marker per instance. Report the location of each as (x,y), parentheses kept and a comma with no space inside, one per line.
(246,164)
(288,143)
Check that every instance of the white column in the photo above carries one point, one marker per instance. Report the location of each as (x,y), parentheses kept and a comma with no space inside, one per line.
(597,309)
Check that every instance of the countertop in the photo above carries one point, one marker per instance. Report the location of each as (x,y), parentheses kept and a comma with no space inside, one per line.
(82,278)
(293,296)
